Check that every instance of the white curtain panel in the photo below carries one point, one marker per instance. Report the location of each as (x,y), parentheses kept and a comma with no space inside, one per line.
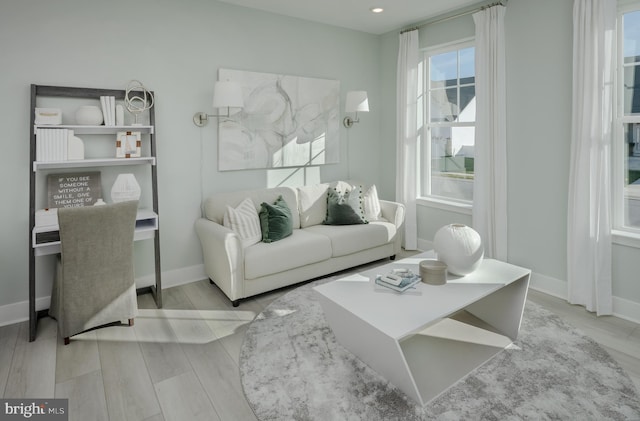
(490,183)
(407,134)
(589,210)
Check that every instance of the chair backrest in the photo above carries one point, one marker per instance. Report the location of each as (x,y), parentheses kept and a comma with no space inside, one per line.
(97,252)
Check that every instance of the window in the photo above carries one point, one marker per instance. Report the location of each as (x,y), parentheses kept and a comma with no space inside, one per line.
(446,148)
(626,201)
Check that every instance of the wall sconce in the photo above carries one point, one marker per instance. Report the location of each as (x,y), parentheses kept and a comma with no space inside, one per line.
(356,101)
(225,94)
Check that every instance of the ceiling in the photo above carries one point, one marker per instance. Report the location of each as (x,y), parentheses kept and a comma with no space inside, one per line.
(356,14)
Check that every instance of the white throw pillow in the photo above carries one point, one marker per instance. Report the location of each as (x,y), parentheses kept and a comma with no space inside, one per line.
(372,209)
(312,204)
(244,221)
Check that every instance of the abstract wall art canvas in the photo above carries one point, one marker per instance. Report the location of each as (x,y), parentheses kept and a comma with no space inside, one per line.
(287,121)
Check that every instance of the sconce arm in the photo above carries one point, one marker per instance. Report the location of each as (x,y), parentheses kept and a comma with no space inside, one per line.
(202,119)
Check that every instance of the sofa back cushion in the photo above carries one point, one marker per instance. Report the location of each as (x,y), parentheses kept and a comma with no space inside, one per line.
(216,205)
(312,203)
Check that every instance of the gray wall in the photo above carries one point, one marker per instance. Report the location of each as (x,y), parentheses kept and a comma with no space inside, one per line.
(175,48)
(539,75)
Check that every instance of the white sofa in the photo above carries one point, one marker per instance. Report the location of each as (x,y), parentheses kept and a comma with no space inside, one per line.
(313,250)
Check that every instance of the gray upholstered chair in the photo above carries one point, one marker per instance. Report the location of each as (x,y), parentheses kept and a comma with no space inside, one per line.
(94,283)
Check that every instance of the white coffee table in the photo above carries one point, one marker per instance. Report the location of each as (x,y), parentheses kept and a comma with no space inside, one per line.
(426,339)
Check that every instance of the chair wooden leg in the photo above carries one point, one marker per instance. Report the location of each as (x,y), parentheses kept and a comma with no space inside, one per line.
(130,322)
(66,340)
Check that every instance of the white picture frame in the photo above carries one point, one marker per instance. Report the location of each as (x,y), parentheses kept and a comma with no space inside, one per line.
(128,145)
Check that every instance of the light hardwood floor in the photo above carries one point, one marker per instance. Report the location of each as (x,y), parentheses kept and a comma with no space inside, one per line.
(181,362)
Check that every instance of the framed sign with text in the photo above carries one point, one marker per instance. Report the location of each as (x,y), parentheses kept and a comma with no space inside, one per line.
(73,189)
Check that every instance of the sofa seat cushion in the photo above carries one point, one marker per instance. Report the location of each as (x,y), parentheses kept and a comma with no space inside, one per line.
(347,239)
(299,249)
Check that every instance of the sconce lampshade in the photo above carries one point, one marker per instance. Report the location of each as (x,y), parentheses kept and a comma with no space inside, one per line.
(227,94)
(357,101)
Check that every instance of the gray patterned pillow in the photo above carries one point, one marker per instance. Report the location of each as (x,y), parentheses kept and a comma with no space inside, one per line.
(345,208)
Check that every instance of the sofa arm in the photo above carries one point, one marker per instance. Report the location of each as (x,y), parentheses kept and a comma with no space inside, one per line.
(394,212)
(223,257)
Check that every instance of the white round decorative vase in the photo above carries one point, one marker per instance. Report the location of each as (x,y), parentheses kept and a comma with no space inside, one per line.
(125,188)
(460,247)
(89,115)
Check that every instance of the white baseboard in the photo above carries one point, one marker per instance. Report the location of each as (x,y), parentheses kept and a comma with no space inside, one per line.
(622,308)
(548,285)
(625,309)
(175,277)
(19,312)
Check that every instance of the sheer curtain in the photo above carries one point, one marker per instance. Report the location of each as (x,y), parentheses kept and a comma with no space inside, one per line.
(589,214)
(490,183)
(407,134)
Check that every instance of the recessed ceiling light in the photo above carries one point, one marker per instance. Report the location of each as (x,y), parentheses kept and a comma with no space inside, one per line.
(377,9)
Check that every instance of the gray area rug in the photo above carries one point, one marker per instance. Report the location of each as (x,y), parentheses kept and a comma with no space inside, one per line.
(292,368)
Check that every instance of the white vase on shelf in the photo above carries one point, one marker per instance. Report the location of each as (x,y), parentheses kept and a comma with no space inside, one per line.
(89,115)
(75,148)
(125,188)
(460,247)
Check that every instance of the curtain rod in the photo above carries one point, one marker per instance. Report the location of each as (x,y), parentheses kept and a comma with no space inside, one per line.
(457,15)
(409,29)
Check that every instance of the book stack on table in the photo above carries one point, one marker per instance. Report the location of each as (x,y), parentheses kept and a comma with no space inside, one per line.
(398,280)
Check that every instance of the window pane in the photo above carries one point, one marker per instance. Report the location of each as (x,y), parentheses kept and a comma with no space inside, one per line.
(444,105)
(447,154)
(452,162)
(444,69)
(631,36)
(440,144)
(627,164)
(632,175)
(467,104)
(467,65)
(632,90)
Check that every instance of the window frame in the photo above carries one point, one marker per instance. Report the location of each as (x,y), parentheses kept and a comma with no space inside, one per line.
(621,233)
(440,202)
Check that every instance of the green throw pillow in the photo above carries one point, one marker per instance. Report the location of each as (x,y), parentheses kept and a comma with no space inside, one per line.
(275,220)
(345,208)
